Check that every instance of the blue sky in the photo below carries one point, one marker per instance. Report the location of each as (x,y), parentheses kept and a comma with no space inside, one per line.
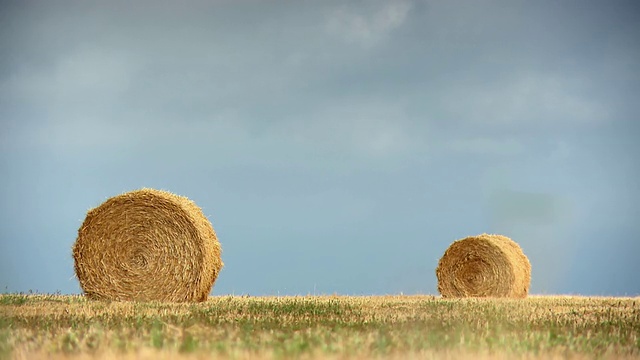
(336,147)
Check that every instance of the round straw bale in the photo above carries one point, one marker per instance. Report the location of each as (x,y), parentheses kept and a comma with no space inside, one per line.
(484,266)
(147,245)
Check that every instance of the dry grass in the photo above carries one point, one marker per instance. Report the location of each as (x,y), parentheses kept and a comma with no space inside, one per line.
(334,327)
(147,245)
(484,266)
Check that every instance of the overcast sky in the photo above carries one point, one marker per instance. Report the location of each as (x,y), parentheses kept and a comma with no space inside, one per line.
(336,147)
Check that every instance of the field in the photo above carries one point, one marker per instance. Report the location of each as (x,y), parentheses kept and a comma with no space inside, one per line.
(335,327)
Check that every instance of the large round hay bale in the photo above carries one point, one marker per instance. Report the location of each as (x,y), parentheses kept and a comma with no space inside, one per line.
(147,245)
(484,266)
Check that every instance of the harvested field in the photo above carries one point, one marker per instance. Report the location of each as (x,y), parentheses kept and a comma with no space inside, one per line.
(344,327)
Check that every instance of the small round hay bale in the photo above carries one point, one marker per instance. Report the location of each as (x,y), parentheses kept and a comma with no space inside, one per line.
(484,266)
(147,245)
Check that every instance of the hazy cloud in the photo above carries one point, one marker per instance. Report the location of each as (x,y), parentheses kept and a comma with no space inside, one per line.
(510,206)
(529,99)
(368,129)
(487,146)
(540,223)
(367,25)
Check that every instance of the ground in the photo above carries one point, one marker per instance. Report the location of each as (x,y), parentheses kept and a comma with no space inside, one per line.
(334,327)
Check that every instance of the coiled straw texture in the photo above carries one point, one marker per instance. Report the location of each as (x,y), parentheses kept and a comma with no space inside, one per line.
(484,266)
(147,245)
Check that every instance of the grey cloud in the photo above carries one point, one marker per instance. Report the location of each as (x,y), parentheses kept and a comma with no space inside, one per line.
(217,74)
(329,129)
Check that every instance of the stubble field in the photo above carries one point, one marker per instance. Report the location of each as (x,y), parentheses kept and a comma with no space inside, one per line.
(335,327)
